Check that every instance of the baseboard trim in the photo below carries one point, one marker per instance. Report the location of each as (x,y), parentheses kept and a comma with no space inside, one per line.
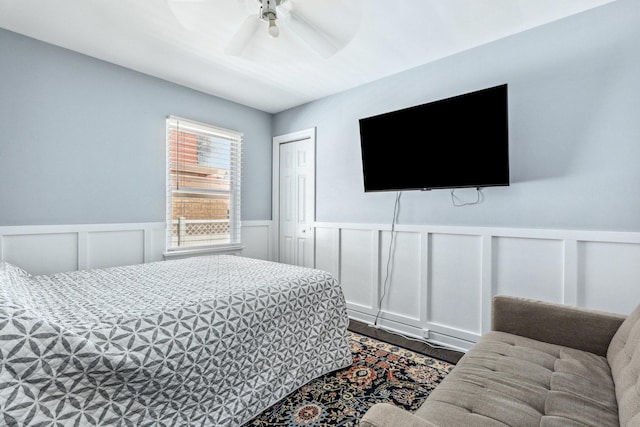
(422,347)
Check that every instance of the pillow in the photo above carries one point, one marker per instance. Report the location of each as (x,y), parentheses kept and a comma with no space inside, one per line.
(13,270)
(13,286)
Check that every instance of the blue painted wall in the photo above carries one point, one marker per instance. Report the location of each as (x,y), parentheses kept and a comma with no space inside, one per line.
(574,107)
(83,141)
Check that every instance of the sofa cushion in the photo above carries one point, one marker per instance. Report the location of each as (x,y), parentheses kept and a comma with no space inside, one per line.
(510,380)
(624,358)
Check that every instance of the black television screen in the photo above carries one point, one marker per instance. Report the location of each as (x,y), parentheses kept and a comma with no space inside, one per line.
(456,142)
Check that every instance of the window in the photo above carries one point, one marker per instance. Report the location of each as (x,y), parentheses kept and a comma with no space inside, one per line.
(203,185)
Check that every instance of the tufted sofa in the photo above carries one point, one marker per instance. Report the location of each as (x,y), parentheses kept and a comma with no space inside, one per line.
(542,364)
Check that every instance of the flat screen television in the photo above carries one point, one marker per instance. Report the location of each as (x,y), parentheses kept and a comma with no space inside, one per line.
(455,142)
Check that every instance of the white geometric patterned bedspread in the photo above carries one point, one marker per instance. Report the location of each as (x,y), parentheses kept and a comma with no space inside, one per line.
(207,341)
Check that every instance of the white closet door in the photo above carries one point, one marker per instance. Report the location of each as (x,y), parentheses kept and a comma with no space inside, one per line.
(297,207)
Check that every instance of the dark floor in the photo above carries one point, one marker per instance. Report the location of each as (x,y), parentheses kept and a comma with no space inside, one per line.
(422,347)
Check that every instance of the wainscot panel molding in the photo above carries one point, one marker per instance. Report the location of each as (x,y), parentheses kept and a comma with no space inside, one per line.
(442,278)
(47,249)
(256,239)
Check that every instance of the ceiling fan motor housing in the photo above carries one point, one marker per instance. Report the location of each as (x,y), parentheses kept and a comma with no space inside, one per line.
(268,9)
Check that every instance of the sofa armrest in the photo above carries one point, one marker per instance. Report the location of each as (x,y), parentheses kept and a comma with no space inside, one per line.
(386,415)
(574,327)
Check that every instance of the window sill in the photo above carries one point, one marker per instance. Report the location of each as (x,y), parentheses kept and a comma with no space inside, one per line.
(212,250)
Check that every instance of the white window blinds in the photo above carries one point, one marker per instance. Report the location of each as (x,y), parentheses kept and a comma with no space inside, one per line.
(203,185)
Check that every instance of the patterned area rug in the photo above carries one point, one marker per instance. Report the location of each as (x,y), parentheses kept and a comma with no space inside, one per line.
(380,372)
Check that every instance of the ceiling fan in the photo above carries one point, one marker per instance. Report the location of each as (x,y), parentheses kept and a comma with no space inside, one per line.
(323,27)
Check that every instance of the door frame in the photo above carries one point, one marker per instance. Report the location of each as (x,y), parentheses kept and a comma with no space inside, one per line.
(306,134)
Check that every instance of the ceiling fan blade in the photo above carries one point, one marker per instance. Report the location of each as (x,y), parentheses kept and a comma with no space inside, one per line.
(241,38)
(247,5)
(310,34)
(189,13)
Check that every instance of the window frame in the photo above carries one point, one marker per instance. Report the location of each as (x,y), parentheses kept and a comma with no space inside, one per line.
(235,153)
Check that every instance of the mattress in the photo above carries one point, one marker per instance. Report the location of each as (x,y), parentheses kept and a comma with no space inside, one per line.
(209,341)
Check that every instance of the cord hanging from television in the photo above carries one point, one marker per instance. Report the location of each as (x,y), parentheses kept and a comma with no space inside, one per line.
(396,211)
(458,202)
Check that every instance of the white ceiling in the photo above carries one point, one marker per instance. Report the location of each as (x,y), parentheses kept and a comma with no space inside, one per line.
(275,74)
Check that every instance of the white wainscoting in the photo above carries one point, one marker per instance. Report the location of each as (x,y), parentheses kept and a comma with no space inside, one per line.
(256,239)
(46,249)
(443,278)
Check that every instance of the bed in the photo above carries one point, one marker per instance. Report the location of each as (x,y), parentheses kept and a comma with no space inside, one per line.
(208,341)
